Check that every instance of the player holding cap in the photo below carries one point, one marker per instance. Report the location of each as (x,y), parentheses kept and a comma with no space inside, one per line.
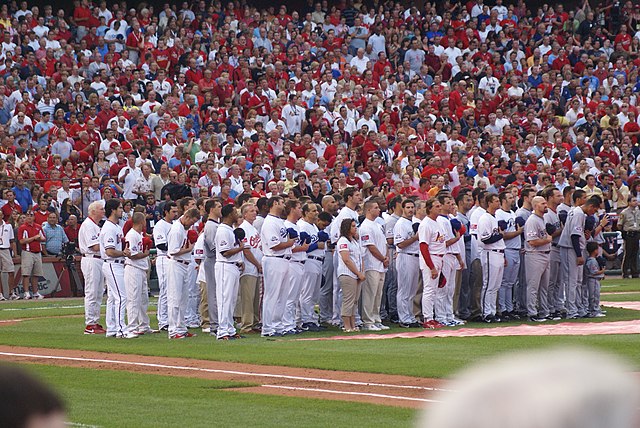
(160,233)
(209,303)
(91,266)
(491,256)
(511,233)
(451,262)
(432,250)
(114,252)
(293,212)
(405,238)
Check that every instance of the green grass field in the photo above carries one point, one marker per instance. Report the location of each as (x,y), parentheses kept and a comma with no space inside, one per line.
(139,400)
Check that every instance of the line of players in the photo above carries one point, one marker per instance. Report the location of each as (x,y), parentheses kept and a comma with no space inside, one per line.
(425,264)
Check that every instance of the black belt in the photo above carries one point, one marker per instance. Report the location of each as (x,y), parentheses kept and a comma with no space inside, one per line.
(120,262)
(496,251)
(299,261)
(92,256)
(410,254)
(320,259)
(283,256)
(237,264)
(180,261)
(538,252)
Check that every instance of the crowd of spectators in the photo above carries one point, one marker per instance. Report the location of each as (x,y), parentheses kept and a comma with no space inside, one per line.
(223,99)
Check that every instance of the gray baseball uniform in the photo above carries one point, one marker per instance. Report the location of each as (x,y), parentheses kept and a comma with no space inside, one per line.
(537,267)
(556,286)
(572,273)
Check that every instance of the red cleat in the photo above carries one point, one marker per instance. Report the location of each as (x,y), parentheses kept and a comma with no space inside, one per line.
(94,329)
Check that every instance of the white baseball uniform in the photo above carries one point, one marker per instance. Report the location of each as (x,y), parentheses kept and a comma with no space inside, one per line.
(91,266)
(296,277)
(450,264)
(492,259)
(210,228)
(178,273)
(135,279)
(275,269)
(227,279)
(192,315)
(250,279)
(111,237)
(430,233)
(160,232)
(407,268)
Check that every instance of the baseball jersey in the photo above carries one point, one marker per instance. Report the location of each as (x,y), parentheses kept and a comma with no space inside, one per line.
(390,224)
(510,217)
(473,231)
(445,224)
(273,233)
(209,240)
(251,242)
(534,228)
(563,207)
(134,240)
(311,230)
(299,255)
(344,213)
(431,233)
(160,233)
(355,254)
(552,217)
(225,241)
(371,234)
(88,236)
(111,237)
(6,235)
(487,226)
(466,241)
(573,226)
(402,231)
(524,213)
(176,240)
(198,257)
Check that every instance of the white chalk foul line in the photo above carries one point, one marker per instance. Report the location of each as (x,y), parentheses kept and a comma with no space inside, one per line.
(233,372)
(366,394)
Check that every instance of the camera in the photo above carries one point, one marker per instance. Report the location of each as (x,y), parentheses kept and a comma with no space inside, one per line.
(68,250)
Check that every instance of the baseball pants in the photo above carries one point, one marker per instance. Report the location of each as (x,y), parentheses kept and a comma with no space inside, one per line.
(444,295)
(492,270)
(192,317)
(390,290)
(337,293)
(408,269)
(462,304)
(310,292)
(593,284)
(135,280)
(177,296)
(509,280)
(573,274)
(326,289)
(116,298)
(429,288)
(556,286)
(475,282)
(162,264)
(537,268)
(276,277)
(249,304)
(227,283)
(93,288)
(296,277)
(520,288)
(372,297)
(212,302)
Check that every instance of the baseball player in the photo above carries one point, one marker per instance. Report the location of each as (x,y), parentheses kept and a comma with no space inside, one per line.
(201,279)
(208,300)
(7,250)
(135,276)
(390,291)
(451,263)
(179,247)
(276,247)
(462,299)
(293,212)
(492,248)
(376,262)
(352,198)
(520,288)
(192,318)
(229,264)
(310,292)
(114,252)
(91,266)
(252,273)
(405,239)
(511,233)
(556,288)
(537,249)
(475,275)
(572,243)
(329,211)
(160,232)
(432,249)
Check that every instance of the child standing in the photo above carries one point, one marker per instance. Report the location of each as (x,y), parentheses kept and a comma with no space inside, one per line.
(595,272)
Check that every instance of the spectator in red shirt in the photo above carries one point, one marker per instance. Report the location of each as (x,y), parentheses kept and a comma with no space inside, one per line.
(11,205)
(31,237)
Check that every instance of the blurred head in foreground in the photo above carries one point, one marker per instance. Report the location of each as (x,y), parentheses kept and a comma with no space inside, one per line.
(28,403)
(552,389)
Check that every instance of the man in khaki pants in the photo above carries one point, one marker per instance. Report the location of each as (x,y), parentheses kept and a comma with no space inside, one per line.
(376,262)
(249,302)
